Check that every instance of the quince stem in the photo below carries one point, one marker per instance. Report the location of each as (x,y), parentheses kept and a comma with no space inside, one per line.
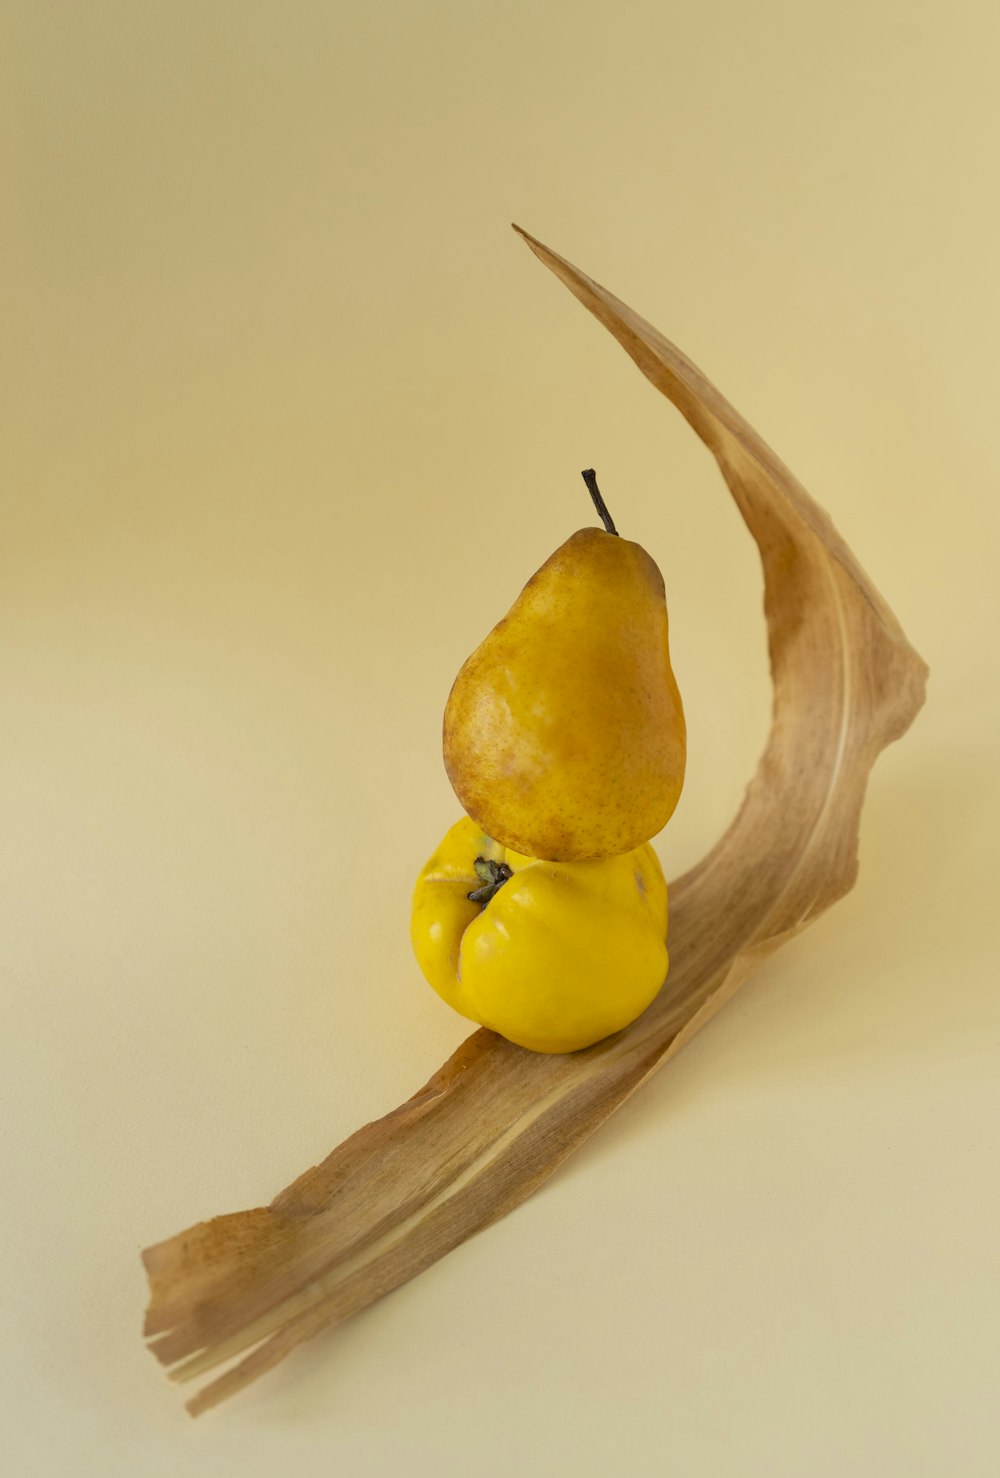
(492,875)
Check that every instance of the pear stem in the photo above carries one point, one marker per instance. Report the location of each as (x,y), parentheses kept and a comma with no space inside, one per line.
(590,478)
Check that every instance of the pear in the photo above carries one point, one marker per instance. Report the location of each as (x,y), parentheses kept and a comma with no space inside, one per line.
(564,735)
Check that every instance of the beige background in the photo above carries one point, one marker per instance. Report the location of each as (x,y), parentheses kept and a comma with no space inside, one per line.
(290,415)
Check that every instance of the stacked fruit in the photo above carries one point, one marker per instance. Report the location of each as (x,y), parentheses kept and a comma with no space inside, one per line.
(543,913)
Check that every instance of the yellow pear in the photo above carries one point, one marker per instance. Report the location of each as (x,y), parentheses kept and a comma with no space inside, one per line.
(564,734)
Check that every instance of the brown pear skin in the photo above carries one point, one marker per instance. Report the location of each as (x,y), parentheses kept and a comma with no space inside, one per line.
(564,734)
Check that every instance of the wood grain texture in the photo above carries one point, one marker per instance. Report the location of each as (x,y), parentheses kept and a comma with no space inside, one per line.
(237,1293)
